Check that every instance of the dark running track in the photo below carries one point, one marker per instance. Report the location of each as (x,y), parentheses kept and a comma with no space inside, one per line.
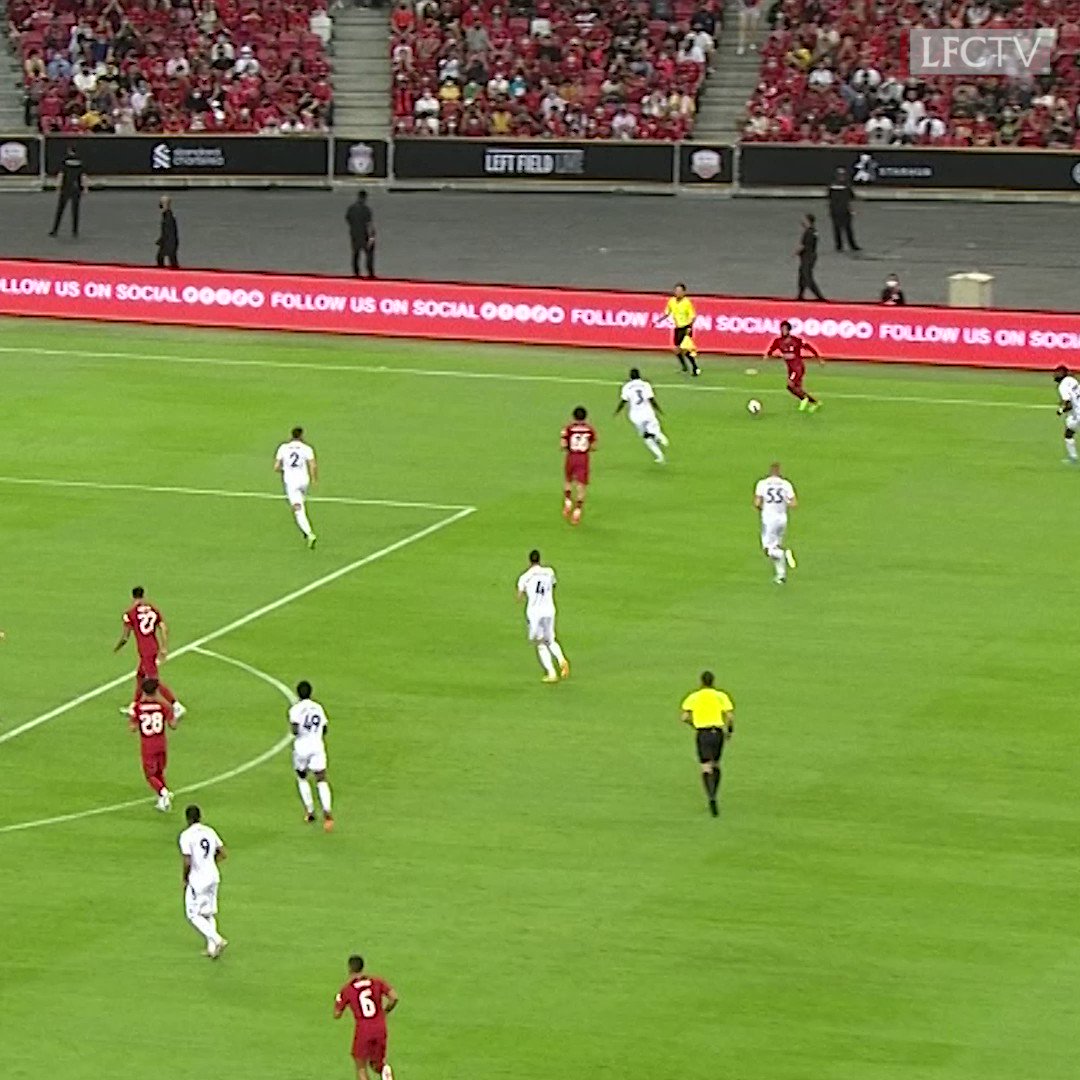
(741,246)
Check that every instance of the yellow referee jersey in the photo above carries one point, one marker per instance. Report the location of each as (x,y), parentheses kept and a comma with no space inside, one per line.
(707,707)
(681,311)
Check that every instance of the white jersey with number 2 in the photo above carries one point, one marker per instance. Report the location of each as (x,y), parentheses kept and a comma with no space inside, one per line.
(294,458)
(776,495)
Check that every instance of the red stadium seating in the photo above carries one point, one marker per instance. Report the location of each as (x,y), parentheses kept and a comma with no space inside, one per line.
(126,66)
(835,71)
(592,69)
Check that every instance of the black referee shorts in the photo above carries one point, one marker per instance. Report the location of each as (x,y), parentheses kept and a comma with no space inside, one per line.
(679,335)
(710,744)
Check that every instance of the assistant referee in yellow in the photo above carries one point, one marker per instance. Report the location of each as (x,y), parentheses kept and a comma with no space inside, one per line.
(711,713)
(680,310)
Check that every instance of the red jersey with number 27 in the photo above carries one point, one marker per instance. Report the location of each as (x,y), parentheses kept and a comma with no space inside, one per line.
(792,350)
(578,439)
(144,620)
(150,720)
(363,997)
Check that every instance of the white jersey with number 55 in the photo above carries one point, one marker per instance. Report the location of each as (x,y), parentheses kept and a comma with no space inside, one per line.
(537,585)
(776,495)
(294,459)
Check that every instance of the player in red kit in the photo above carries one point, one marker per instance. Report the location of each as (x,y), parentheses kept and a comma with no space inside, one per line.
(151,715)
(152,641)
(578,441)
(793,351)
(369,999)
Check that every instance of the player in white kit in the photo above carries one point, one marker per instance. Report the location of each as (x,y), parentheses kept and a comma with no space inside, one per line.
(308,723)
(774,497)
(643,409)
(1069,407)
(295,460)
(202,849)
(537,588)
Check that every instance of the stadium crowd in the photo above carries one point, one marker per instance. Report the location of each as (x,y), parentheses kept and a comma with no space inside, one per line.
(836,71)
(174,66)
(594,69)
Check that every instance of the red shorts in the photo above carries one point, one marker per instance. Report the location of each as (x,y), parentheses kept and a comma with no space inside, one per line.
(577,468)
(370,1050)
(796,373)
(148,666)
(154,762)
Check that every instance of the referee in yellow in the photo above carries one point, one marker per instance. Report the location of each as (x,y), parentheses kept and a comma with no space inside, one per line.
(680,310)
(711,713)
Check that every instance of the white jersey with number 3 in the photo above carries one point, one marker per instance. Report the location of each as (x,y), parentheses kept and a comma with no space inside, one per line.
(1069,391)
(638,395)
(201,844)
(294,458)
(776,495)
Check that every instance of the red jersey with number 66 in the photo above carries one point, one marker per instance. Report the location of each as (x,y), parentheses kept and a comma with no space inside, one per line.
(363,997)
(144,620)
(150,720)
(578,440)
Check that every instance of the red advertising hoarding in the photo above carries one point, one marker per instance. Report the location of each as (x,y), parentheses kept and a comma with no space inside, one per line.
(540,316)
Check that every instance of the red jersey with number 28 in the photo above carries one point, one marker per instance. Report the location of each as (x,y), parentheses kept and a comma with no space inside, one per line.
(144,620)
(578,439)
(363,997)
(150,720)
(792,350)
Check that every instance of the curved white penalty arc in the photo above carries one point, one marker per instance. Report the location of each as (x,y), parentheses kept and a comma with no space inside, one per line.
(229,774)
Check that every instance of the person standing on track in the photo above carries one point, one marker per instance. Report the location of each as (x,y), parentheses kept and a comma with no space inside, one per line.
(807,255)
(70,186)
(361,234)
(841,199)
(168,243)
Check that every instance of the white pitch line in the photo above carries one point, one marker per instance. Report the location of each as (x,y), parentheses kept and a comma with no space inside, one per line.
(497,376)
(220,493)
(244,620)
(239,770)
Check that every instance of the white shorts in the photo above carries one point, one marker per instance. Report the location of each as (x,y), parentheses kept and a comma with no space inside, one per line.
(201,901)
(542,628)
(772,532)
(309,760)
(1072,421)
(296,492)
(647,427)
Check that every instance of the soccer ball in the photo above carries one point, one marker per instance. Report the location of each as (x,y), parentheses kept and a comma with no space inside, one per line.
(753,406)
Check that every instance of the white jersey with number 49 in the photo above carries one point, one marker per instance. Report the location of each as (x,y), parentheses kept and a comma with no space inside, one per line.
(538,586)
(201,844)
(1069,390)
(638,395)
(776,495)
(308,719)
(294,458)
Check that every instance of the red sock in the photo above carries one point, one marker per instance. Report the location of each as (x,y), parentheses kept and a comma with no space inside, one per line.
(156,782)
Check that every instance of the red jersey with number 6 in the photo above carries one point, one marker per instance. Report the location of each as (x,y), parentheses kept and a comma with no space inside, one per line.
(578,440)
(150,720)
(144,620)
(792,350)
(363,997)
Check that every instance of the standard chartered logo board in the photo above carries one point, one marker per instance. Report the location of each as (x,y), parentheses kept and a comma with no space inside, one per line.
(167,156)
(509,162)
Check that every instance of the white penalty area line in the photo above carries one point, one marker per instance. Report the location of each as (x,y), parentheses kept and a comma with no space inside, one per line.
(244,620)
(221,493)
(497,376)
(230,774)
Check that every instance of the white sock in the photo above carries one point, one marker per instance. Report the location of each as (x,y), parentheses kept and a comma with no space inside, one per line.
(654,449)
(305,795)
(205,927)
(302,521)
(1070,449)
(556,651)
(779,566)
(545,658)
(212,920)
(662,438)
(387,1073)
(324,796)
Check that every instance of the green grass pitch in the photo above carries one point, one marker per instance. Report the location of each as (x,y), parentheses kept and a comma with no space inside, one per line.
(890,892)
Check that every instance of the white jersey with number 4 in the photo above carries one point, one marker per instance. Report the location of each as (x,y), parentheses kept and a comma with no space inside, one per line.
(201,844)
(309,722)
(1069,390)
(638,395)
(294,459)
(538,586)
